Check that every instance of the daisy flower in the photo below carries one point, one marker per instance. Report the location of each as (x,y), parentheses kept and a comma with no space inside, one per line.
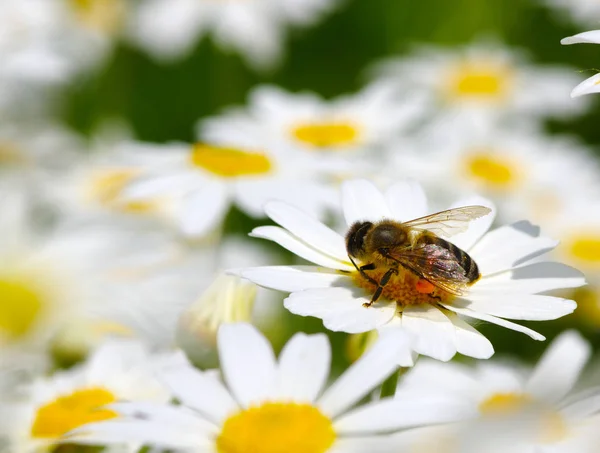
(512,409)
(482,80)
(116,371)
(330,132)
(591,84)
(169,29)
(203,180)
(334,291)
(270,405)
(525,172)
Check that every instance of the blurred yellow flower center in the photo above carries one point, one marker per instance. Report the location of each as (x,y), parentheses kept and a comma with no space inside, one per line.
(551,426)
(19,308)
(504,403)
(105,16)
(230,162)
(493,171)
(277,428)
(327,135)
(10,154)
(106,188)
(585,248)
(479,80)
(72,411)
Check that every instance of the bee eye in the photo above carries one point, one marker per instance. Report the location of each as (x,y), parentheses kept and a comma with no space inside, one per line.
(355,239)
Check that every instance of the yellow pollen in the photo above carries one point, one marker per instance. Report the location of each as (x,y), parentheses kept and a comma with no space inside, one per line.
(327,135)
(20,307)
(72,411)
(504,403)
(277,428)
(402,288)
(585,248)
(491,171)
(106,188)
(230,162)
(480,81)
(105,16)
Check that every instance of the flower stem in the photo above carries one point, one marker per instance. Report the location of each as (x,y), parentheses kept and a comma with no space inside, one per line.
(388,388)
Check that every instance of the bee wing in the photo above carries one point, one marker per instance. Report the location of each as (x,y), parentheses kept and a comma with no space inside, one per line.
(450,222)
(435,264)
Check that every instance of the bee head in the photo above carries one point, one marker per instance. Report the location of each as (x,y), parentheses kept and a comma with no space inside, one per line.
(355,239)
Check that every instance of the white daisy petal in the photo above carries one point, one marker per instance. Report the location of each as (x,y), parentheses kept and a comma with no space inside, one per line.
(341,308)
(294,245)
(204,209)
(307,229)
(509,246)
(163,413)
(520,306)
(405,412)
(200,391)
(582,404)
(587,37)
(469,341)
(158,434)
(588,86)
(494,320)
(247,362)
(361,200)
(433,333)
(293,278)
(559,368)
(365,374)
(530,279)
(304,367)
(478,227)
(406,201)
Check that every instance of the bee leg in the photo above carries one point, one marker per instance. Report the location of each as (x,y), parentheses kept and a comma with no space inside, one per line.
(384,281)
(362,269)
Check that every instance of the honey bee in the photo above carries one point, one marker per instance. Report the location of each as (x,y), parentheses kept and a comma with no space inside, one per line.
(416,246)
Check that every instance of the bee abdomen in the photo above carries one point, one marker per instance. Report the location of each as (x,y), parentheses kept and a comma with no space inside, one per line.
(463,258)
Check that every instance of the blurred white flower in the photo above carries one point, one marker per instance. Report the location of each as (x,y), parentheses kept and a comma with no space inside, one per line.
(586,12)
(169,29)
(482,80)
(48,41)
(527,173)
(510,409)
(333,135)
(92,190)
(334,291)
(270,405)
(118,370)
(204,180)
(591,84)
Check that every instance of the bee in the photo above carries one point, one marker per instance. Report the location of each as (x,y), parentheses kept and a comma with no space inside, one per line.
(416,246)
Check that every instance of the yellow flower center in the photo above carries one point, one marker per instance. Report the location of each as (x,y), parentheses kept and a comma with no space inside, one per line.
(504,403)
(106,188)
(327,135)
(10,154)
(479,80)
(588,305)
(277,428)
(490,170)
(20,307)
(72,411)
(105,16)
(230,162)
(405,288)
(585,248)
